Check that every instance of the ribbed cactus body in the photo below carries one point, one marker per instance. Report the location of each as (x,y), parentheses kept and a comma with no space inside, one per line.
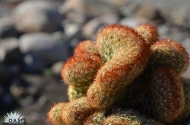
(129,117)
(167,94)
(80,71)
(54,115)
(170,53)
(184,117)
(122,118)
(148,32)
(76,111)
(76,92)
(86,46)
(99,98)
(95,119)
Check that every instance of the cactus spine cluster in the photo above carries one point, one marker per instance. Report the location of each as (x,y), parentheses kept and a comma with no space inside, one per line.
(128,69)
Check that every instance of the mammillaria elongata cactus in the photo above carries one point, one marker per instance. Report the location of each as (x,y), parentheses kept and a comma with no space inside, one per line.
(127,69)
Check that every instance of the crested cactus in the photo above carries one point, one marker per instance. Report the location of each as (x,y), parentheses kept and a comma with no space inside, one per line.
(125,68)
(124,59)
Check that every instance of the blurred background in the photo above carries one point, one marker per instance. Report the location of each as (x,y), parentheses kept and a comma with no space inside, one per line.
(38,36)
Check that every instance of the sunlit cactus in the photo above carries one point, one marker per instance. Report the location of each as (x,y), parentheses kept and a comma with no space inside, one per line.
(171,53)
(148,32)
(125,68)
(54,115)
(125,55)
(80,71)
(100,99)
(76,92)
(86,46)
(76,111)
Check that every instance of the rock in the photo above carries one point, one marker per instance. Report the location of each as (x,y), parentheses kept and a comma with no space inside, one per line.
(2,54)
(72,30)
(7,100)
(149,12)
(14,69)
(109,18)
(33,16)
(90,29)
(73,44)
(128,9)
(75,17)
(4,73)
(7,28)
(179,16)
(56,68)
(30,63)
(1,90)
(186,44)
(27,88)
(27,101)
(43,99)
(9,50)
(88,7)
(4,9)
(133,21)
(163,30)
(17,91)
(45,46)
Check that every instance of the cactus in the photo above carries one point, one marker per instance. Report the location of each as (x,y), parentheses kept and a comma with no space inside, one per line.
(135,93)
(95,119)
(86,46)
(80,71)
(148,32)
(167,95)
(125,68)
(122,118)
(184,117)
(76,92)
(171,53)
(100,99)
(54,115)
(129,117)
(76,111)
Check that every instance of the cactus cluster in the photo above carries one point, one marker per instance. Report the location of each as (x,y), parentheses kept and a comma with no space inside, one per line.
(128,76)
